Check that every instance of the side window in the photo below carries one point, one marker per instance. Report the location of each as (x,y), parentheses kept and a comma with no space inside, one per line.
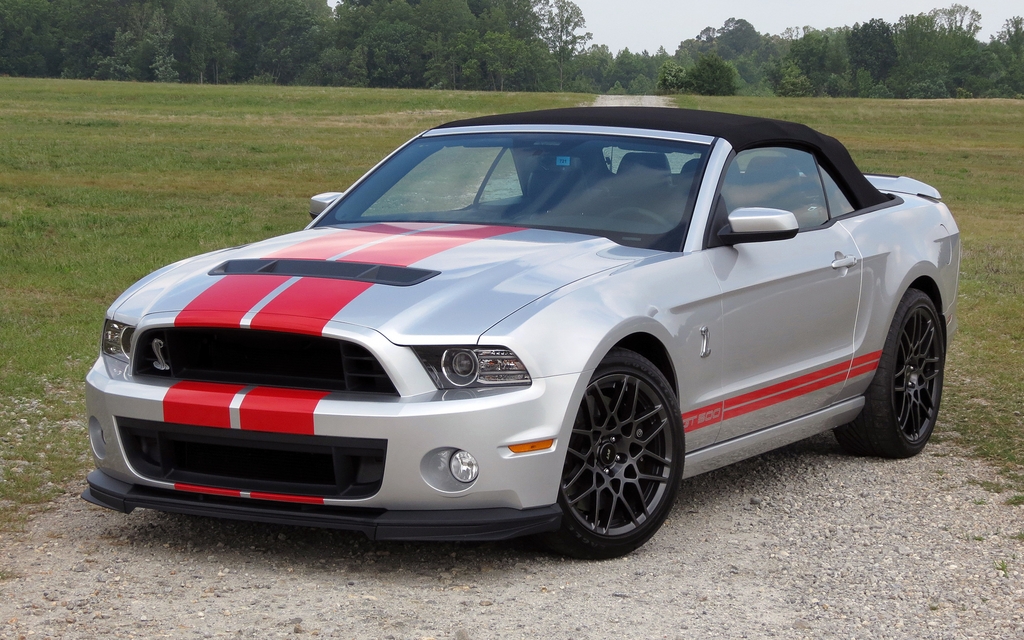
(777,178)
(838,204)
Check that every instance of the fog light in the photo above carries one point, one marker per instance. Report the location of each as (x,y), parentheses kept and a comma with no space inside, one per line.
(464,466)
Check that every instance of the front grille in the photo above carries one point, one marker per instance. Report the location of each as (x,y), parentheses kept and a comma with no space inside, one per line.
(266,358)
(254,461)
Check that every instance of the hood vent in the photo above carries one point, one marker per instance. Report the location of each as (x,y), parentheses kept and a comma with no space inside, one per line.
(358,271)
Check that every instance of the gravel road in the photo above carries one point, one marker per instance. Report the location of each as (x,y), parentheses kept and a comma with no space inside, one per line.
(632,101)
(801,542)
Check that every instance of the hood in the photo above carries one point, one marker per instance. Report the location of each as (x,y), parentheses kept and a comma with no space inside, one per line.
(415,283)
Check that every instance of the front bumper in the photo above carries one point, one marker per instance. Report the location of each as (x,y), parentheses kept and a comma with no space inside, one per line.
(461,525)
(483,422)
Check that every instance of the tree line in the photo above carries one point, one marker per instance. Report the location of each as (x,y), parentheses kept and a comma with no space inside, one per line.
(501,45)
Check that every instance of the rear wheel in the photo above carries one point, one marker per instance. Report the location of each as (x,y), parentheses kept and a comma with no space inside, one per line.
(624,461)
(903,399)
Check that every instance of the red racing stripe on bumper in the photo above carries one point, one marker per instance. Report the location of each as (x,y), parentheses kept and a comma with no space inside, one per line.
(280,410)
(213,491)
(282,497)
(255,495)
(204,404)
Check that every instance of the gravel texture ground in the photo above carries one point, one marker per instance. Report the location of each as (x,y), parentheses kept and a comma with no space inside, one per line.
(632,101)
(801,542)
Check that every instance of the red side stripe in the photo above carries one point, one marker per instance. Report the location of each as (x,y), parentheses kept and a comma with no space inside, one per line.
(282,497)
(735,412)
(227,301)
(280,410)
(768,396)
(861,370)
(703,417)
(307,306)
(213,491)
(868,358)
(781,387)
(204,404)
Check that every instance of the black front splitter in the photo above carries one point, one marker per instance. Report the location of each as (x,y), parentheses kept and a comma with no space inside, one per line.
(376,524)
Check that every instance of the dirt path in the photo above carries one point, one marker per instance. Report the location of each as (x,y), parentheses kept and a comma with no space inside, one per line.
(632,101)
(802,542)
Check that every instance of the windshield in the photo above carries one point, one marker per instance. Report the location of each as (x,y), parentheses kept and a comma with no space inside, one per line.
(635,191)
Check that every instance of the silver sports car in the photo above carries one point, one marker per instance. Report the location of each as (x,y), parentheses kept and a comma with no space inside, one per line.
(535,323)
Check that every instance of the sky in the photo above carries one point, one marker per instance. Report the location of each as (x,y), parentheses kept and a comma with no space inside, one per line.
(649,24)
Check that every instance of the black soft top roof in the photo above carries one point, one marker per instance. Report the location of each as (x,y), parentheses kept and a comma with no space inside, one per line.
(742,132)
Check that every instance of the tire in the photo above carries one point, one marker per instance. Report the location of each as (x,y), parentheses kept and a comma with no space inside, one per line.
(624,461)
(902,402)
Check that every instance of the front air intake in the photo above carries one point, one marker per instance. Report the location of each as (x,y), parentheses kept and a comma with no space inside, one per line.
(266,358)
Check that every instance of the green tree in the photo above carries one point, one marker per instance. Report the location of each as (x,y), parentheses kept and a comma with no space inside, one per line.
(29,44)
(712,76)
(501,53)
(872,48)
(672,78)
(562,22)
(793,83)
(119,66)
(201,30)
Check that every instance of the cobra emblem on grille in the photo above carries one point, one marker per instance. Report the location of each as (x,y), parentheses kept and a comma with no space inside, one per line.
(158,351)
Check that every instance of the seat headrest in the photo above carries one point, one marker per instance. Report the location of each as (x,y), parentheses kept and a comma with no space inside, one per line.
(635,160)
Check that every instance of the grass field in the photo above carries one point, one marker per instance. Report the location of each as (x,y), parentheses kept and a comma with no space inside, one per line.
(101,183)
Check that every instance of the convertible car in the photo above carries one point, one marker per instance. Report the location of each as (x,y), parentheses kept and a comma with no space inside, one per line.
(533,324)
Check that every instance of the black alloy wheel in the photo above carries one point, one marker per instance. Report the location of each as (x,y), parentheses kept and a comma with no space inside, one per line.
(902,401)
(917,378)
(624,460)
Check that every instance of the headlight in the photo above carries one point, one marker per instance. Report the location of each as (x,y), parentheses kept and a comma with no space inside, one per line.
(460,367)
(117,340)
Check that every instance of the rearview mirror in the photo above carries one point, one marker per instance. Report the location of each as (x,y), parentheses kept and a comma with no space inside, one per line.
(319,203)
(759,224)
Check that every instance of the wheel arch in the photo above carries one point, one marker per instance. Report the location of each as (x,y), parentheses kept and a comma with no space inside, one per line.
(930,288)
(927,285)
(653,349)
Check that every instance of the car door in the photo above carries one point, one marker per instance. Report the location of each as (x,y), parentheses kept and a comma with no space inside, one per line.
(789,306)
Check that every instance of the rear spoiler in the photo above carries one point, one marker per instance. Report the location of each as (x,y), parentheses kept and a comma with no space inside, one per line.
(903,184)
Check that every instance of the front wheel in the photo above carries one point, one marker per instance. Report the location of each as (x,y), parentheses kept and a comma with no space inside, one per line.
(624,461)
(902,403)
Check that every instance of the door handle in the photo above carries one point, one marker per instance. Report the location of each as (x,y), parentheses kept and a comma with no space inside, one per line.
(843,262)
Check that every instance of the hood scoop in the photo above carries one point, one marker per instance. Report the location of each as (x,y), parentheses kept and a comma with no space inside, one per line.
(357,271)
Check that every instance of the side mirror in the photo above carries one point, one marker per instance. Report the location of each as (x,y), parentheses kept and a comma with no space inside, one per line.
(320,202)
(759,224)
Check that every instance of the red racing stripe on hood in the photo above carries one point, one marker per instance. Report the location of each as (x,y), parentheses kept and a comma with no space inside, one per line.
(226,302)
(204,404)
(340,241)
(309,304)
(403,251)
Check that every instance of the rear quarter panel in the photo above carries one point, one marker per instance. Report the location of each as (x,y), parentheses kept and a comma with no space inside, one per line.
(900,244)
